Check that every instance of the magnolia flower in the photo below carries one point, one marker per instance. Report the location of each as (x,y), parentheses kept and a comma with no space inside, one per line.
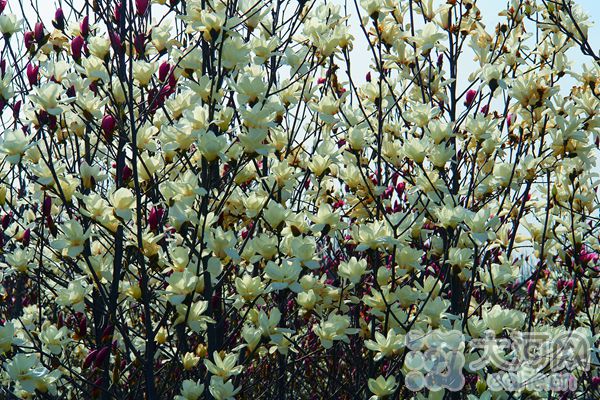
(73,295)
(7,337)
(336,327)
(223,367)
(353,270)
(72,238)
(123,202)
(222,390)
(190,390)
(47,96)
(382,387)
(193,315)
(27,371)
(54,339)
(14,144)
(9,24)
(385,346)
(497,319)
(143,71)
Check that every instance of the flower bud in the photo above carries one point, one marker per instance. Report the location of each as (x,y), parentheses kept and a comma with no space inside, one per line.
(154,217)
(115,42)
(163,71)
(109,124)
(140,43)
(3,5)
(59,19)
(32,74)
(84,27)
(47,206)
(28,39)
(470,97)
(26,237)
(141,6)
(76,46)
(102,354)
(16,109)
(89,359)
(38,32)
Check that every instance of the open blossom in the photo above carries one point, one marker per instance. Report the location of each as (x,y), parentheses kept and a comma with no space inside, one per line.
(208,199)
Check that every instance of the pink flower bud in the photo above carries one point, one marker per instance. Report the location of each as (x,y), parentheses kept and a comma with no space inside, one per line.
(47,206)
(16,109)
(101,355)
(400,188)
(485,109)
(117,12)
(28,39)
(163,71)
(141,6)
(76,46)
(82,327)
(440,60)
(140,43)
(109,124)
(368,77)
(470,97)
(126,173)
(511,118)
(32,74)
(5,221)
(155,217)
(321,81)
(38,32)
(84,26)
(115,42)
(26,237)
(89,359)
(531,288)
(59,19)
(3,5)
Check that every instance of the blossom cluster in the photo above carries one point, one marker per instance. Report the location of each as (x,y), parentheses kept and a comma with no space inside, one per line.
(202,199)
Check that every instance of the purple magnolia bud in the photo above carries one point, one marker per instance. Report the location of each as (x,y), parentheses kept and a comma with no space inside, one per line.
(26,237)
(163,71)
(82,326)
(3,5)
(84,26)
(89,359)
(59,19)
(76,46)
(109,123)
(16,109)
(32,74)
(38,31)
(28,39)
(511,118)
(154,217)
(3,67)
(440,60)
(470,97)
(141,6)
(126,173)
(140,43)
(5,221)
(115,42)
(368,77)
(47,206)
(117,12)
(485,109)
